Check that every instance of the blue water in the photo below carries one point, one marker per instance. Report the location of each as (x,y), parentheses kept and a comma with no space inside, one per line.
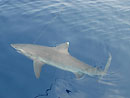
(93,27)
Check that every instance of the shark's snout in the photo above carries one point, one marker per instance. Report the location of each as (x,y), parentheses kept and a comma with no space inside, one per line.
(13,45)
(21,48)
(17,47)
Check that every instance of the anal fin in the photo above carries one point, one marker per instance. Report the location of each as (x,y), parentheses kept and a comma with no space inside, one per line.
(37,67)
(79,75)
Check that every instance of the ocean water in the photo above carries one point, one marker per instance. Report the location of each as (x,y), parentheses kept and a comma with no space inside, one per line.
(94,28)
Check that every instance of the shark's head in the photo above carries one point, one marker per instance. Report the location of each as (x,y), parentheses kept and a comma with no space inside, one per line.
(18,47)
(23,49)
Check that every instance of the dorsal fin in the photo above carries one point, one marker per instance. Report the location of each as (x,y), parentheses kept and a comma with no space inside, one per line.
(63,47)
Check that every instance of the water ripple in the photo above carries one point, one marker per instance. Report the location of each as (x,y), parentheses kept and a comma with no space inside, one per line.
(107,19)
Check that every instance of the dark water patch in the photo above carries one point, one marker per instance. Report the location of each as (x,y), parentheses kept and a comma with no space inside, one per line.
(68,91)
(46,92)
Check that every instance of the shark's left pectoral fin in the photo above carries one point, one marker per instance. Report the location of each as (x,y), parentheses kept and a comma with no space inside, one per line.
(79,75)
(37,67)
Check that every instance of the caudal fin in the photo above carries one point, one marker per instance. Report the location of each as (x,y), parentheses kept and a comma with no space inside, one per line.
(107,65)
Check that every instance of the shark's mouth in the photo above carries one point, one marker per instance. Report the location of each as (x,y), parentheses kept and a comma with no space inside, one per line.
(20,51)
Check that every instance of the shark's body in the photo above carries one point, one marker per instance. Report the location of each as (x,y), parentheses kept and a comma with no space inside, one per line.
(59,57)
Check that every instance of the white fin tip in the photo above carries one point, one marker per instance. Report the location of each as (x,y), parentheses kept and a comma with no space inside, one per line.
(67,43)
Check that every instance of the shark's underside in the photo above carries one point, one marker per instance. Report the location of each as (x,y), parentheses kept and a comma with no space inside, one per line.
(59,57)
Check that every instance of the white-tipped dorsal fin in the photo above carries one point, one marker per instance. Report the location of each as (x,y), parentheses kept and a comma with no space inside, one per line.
(63,47)
(37,67)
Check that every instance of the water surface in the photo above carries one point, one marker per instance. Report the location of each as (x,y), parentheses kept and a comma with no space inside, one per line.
(93,27)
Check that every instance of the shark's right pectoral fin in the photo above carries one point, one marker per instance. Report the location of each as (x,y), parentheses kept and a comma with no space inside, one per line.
(37,67)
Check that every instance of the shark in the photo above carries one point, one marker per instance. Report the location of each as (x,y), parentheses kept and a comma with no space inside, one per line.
(59,57)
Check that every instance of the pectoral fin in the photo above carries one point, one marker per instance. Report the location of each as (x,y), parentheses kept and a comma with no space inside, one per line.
(79,75)
(37,67)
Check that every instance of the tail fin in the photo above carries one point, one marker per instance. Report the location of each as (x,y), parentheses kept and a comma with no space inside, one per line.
(107,65)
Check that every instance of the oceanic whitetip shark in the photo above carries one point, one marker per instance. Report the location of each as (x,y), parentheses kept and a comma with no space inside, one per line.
(59,57)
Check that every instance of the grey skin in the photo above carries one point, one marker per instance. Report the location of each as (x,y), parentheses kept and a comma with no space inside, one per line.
(58,57)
